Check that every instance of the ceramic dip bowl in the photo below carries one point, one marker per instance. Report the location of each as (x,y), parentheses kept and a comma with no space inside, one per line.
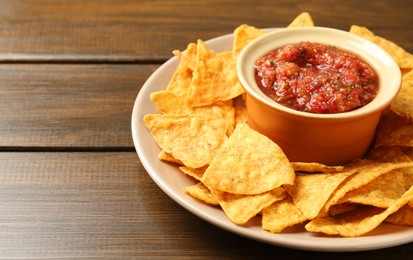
(329,138)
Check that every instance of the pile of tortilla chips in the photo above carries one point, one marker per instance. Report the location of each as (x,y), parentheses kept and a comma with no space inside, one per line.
(203,130)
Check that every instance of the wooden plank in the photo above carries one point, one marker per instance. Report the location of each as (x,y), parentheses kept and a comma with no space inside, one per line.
(135,31)
(68,105)
(104,205)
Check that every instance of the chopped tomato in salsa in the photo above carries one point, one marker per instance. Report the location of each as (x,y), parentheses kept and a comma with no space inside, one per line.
(316,78)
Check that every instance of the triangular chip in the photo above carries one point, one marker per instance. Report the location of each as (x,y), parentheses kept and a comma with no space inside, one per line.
(302,20)
(394,130)
(214,79)
(315,167)
(404,216)
(280,215)
(357,223)
(201,192)
(401,56)
(170,103)
(380,192)
(241,208)
(190,139)
(248,163)
(182,77)
(403,103)
(311,191)
(367,171)
(243,35)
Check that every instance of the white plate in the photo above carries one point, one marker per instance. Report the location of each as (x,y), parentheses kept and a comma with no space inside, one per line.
(171,181)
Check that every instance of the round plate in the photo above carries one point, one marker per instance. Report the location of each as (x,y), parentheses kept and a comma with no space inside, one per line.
(171,181)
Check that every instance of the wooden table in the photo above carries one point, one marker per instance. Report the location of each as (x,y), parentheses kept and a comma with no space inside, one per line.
(71,183)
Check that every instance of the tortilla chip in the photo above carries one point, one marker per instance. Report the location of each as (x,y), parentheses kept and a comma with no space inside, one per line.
(280,215)
(241,208)
(248,163)
(214,79)
(394,130)
(366,171)
(201,192)
(243,35)
(403,103)
(171,103)
(240,115)
(302,20)
(404,216)
(188,58)
(182,77)
(380,192)
(315,167)
(311,191)
(357,223)
(164,156)
(194,173)
(190,139)
(401,56)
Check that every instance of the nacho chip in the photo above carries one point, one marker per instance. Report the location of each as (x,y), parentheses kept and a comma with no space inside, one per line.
(192,140)
(404,216)
(189,57)
(315,167)
(171,103)
(394,130)
(357,223)
(214,79)
(367,171)
(243,35)
(194,173)
(403,103)
(241,208)
(380,192)
(311,191)
(401,56)
(182,77)
(164,156)
(240,114)
(302,20)
(248,163)
(201,192)
(280,215)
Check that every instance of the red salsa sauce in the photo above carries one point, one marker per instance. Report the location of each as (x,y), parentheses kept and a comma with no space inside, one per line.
(316,78)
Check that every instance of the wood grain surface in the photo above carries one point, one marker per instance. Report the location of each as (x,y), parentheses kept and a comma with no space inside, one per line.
(71,184)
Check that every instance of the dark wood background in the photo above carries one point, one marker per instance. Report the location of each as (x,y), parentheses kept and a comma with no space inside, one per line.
(71,184)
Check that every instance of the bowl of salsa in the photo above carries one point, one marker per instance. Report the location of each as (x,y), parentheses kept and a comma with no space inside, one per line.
(317,92)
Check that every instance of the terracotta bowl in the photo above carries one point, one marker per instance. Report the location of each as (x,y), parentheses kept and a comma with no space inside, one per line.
(333,139)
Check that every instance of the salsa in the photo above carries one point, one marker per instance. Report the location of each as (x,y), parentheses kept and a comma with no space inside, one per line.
(316,78)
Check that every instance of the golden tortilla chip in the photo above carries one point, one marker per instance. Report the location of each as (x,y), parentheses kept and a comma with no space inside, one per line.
(280,215)
(170,103)
(380,192)
(240,114)
(311,191)
(357,223)
(403,103)
(214,79)
(164,156)
(401,56)
(195,173)
(190,139)
(189,57)
(404,216)
(182,77)
(394,130)
(302,20)
(243,35)
(366,171)
(201,192)
(248,163)
(315,167)
(241,208)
